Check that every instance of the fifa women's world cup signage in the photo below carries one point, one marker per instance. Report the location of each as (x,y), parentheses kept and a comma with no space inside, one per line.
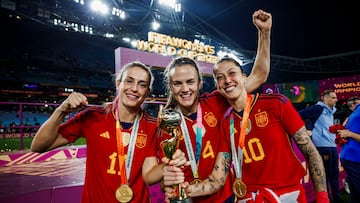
(172,46)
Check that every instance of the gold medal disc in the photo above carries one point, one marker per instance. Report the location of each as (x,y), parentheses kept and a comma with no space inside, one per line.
(196,180)
(124,193)
(239,188)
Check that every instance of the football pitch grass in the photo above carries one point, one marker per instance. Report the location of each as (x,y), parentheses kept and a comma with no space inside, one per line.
(13,144)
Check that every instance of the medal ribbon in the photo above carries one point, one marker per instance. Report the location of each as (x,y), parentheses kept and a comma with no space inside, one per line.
(188,145)
(238,157)
(125,172)
(198,133)
(244,121)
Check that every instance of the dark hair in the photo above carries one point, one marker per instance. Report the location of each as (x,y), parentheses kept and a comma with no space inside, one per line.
(326,93)
(229,59)
(180,61)
(352,100)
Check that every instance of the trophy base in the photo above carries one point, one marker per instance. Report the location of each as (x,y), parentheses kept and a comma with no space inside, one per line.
(187,200)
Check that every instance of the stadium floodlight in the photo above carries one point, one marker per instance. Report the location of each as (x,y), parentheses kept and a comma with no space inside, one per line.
(155,25)
(99,7)
(79,2)
(126,39)
(172,4)
(118,12)
(109,35)
(169,3)
(122,15)
(178,7)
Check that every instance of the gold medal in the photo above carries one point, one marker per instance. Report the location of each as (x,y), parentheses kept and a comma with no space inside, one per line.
(239,188)
(195,181)
(124,193)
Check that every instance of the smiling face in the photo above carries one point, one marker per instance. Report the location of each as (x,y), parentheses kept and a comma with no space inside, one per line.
(184,84)
(133,88)
(229,80)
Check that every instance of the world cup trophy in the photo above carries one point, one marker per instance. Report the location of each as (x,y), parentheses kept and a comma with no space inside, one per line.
(169,121)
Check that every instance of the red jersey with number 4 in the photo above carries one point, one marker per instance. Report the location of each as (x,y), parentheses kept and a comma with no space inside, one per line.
(213,107)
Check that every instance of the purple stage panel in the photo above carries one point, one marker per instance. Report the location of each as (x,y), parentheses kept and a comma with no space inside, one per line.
(43,196)
(157,196)
(68,194)
(56,176)
(26,156)
(46,181)
(127,55)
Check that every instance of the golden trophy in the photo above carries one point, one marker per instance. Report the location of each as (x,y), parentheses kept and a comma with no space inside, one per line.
(169,121)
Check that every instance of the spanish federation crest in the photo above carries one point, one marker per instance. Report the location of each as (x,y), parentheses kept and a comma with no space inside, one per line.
(261,119)
(210,119)
(141,140)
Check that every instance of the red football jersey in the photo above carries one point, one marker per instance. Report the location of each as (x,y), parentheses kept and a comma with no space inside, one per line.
(213,109)
(268,158)
(103,176)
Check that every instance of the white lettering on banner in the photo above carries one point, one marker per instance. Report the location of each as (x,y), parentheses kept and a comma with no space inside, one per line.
(16,135)
(172,46)
(347,87)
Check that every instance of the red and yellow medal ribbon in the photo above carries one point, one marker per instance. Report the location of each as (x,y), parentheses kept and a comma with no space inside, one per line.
(245,121)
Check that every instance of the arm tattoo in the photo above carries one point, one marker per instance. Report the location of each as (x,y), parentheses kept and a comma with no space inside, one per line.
(217,178)
(226,162)
(312,156)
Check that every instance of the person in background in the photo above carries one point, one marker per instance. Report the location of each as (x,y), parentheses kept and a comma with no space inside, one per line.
(342,112)
(113,131)
(351,103)
(349,154)
(324,140)
(205,112)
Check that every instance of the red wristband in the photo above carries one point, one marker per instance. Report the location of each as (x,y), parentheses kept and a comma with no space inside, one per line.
(322,197)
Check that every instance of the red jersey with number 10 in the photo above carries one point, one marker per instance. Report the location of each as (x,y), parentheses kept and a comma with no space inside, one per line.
(269,160)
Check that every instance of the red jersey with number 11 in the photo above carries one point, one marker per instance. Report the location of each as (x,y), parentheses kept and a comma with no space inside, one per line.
(103,176)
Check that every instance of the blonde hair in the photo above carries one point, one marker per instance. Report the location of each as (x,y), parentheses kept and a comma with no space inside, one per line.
(119,77)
